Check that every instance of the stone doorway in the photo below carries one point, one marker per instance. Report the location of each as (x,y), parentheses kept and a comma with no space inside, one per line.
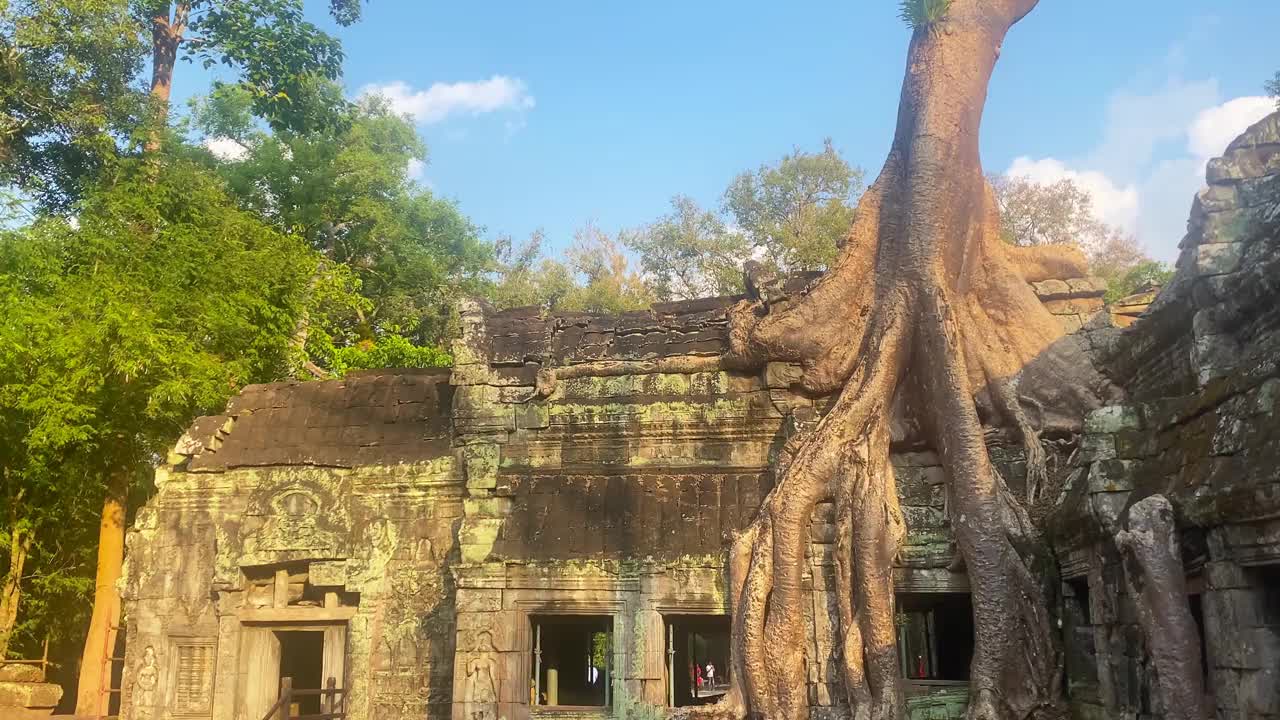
(302,660)
(308,653)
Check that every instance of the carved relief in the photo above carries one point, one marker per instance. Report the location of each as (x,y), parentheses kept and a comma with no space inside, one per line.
(193,685)
(145,680)
(480,696)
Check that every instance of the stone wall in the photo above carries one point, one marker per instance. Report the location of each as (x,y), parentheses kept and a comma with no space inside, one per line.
(1203,376)
(421,521)
(322,506)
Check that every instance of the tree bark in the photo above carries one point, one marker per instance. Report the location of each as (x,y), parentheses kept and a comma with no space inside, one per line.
(1156,580)
(166,36)
(92,696)
(925,308)
(11,587)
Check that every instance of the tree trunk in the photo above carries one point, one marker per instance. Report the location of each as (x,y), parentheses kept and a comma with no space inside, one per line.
(923,309)
(1156,580)
(11,586)
(166,36)
(92,696)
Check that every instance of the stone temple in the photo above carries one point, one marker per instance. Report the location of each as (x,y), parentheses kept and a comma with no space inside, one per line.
(446,544)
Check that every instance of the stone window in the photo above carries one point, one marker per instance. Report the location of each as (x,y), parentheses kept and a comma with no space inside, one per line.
(935,636)
(697,658)
(572,660)
(193,676)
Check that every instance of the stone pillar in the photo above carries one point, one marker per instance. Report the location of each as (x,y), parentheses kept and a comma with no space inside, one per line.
(1243,636)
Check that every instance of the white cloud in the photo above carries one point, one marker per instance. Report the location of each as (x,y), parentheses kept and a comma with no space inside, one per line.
(226,149)
(1213,129)
(1151,158)
(1113,203)
(416,169)
(443,100)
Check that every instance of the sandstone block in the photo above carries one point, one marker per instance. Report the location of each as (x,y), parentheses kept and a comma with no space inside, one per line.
(1218,258)
(1113,418)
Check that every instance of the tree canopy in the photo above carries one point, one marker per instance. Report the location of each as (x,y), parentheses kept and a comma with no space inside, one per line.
(791,216)
(155,304)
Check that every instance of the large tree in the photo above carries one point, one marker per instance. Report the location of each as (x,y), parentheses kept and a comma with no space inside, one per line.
(346,187)
(924,316)
(152,307)
(69,92)
(789,217)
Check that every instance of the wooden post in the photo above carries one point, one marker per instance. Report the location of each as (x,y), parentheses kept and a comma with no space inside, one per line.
(286,697)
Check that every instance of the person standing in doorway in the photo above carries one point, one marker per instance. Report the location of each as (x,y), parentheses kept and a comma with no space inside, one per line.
(711,675)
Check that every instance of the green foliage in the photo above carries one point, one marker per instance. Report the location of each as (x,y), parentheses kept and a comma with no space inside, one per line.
(345,187)
(525,277)
(1273,87)
(609,284)
(389,351)
(1146,273)
(789,216)
(795,213)
(280,56)
(690,253)
(69,92)
(1060,213)
(155,305)
(919,14)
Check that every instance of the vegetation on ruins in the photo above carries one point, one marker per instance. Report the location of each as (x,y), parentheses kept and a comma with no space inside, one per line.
(144,279)
(925,317)
(789,217)
(157,303)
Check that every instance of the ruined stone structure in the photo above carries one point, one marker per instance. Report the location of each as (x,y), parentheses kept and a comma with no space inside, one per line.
(452,544)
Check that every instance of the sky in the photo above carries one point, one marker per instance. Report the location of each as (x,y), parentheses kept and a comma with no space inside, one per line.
(549,115)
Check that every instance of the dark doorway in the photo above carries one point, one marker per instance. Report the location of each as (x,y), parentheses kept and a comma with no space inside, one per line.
(302,658)
(572,659)
(935,636)
(697,659)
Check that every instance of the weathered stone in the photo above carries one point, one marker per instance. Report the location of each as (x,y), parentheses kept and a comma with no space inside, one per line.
(1218,258)
(1112,419)
(22,673)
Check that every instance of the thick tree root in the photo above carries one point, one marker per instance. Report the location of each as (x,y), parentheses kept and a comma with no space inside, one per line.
(1156,581)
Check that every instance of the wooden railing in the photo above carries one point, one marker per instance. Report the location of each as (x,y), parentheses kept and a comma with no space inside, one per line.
(333,702)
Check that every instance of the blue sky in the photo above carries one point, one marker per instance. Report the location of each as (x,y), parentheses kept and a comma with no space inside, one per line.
(547,115)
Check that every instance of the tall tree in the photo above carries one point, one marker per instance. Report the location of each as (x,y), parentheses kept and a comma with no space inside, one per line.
(277,53)
(608,282)
(1059,213)
(923,313)
(1062,214)
(1273,86)
(796,212)
(524,276)
(690,253)
(152,307)
(68,92)
(790,216)
(346,187)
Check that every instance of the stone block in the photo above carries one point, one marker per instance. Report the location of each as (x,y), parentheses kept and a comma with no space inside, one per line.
(21,673)
(1218,258)
(1224,575)
(1112,419)
(29,695)
(1110,476)
(328,573)
(481,463)
(486,507)
(1097,447)
(478,600)
(782,375)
